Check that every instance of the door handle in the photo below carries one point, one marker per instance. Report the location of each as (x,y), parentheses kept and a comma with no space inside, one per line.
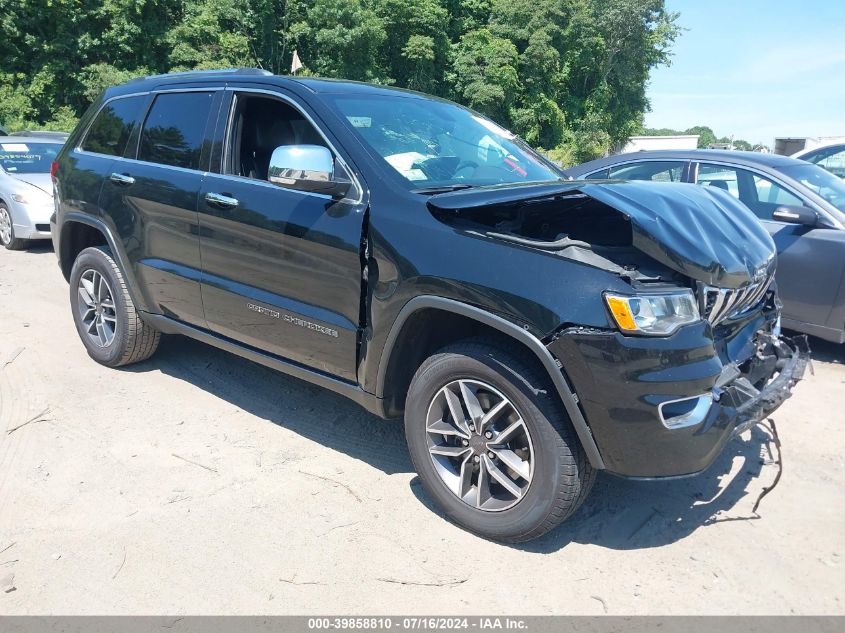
(219,200)
(122,179)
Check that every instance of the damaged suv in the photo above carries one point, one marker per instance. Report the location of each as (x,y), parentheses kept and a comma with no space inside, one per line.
(417,258)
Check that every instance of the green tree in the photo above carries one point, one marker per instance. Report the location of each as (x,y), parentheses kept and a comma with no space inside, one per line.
(484,73)
(416,44)
(706,136)
(568,75)
(342,38)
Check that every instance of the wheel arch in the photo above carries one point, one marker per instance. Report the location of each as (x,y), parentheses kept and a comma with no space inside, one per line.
(428,323)
(78,232)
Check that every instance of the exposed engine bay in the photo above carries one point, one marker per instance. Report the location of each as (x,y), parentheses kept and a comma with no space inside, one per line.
(643,231)
(572,225)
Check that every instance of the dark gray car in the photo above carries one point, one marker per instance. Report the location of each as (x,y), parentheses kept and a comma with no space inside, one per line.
(800,204)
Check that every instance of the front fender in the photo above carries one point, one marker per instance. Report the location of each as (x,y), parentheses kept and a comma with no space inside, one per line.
(520,335)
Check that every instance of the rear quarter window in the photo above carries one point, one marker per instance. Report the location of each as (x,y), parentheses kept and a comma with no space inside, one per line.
(113,125)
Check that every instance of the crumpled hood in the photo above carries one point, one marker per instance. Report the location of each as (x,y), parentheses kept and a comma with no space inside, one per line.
(701,232)
(42,181)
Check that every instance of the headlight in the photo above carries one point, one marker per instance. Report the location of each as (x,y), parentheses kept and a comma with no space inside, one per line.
(658,314)
(30,198)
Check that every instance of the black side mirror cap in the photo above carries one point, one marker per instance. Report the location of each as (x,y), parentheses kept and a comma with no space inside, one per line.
(796,215)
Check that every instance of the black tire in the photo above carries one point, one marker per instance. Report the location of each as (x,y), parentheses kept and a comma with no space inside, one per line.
(134,340)
(12,243)
(562,475)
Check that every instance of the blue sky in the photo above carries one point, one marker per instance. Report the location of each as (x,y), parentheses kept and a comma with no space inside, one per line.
(754,69)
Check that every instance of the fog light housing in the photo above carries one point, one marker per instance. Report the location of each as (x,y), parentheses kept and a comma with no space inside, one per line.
(685,412)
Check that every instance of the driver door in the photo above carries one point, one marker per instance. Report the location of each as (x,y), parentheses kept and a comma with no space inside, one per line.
(281,267)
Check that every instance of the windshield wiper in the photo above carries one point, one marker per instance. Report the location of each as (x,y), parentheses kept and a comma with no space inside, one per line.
(443,188)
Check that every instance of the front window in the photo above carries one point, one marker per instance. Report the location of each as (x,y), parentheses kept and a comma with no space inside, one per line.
(28,158)
(819,181)
(434,144)
(759,193)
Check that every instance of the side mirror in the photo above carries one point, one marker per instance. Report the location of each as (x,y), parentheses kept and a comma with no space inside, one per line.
(306,168)
(796,215)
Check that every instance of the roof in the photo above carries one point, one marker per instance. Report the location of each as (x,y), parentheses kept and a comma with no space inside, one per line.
(259,76)
(30,139)
(732,156)
(43,133)
(690,136)
(337,86)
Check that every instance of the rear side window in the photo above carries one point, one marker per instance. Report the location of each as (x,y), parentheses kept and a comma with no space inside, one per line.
(175,128)
(110,131)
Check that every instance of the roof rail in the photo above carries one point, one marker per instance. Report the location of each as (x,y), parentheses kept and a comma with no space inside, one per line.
(213,71)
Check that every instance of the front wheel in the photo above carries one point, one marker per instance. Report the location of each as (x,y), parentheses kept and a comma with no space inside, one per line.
(105,316)
(7,230)
(492,443)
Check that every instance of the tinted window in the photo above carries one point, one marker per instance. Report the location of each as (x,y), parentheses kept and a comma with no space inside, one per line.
(110,131)
(659,171)
(174,130)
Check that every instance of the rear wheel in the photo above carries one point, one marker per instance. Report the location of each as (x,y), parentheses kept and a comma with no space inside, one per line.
(7,230)
(492,443)
(105,316)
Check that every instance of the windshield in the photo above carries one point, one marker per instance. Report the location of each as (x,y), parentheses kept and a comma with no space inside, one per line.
(435,144)
(28,158)
(820,181)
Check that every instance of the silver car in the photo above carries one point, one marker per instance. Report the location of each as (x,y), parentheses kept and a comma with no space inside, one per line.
(26,190)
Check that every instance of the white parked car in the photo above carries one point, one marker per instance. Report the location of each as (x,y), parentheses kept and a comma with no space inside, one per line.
(830,157)
(26,190)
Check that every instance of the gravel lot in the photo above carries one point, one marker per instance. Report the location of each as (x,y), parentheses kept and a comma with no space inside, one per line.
(198,482)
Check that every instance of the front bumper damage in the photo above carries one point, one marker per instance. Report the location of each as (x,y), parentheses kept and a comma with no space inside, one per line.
(666,407)
(749,405)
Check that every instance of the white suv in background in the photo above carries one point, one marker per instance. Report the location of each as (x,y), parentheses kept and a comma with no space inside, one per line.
(830,157)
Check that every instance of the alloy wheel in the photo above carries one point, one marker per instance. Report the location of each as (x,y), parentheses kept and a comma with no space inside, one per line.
(96,308)
(480,445)
(5,226)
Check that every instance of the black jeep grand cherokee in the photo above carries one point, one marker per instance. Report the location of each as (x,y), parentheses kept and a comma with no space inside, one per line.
(416,257)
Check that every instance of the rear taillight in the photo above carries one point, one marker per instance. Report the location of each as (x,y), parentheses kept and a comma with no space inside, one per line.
(54,168)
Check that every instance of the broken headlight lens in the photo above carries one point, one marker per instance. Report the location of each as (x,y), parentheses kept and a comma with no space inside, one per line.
(659,314)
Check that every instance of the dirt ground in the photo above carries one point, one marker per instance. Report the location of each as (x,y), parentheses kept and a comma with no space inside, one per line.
(198,482)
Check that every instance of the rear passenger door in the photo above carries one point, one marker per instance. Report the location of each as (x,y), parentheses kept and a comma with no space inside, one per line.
(106,139)
(281,267)
(150,198)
